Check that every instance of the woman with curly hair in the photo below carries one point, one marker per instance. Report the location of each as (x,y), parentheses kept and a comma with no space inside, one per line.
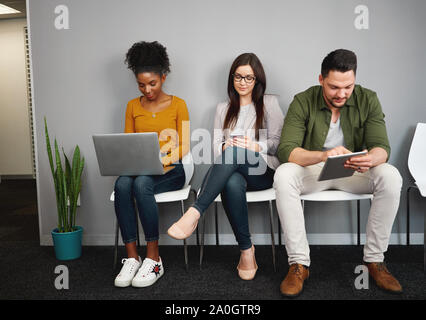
(153,111)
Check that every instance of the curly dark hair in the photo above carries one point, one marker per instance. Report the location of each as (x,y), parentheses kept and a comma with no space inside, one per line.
(148,57)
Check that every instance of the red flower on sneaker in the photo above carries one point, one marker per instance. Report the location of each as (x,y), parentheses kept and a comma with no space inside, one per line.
(156,269)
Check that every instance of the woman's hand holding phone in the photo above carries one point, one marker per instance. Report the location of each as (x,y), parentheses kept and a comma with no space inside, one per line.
(242,142)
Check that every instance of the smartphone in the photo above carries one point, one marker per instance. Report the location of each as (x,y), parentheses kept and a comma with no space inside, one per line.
(237,133)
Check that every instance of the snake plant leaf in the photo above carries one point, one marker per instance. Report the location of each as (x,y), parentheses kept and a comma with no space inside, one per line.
(68,177)
(65,202)
(67,167)
(58,159)
(62,186)
(80,169)
(78,180)
(75,163)
(59,202)
(74,193)
(49,148)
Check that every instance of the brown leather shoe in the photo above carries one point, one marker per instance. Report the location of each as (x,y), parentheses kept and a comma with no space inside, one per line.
(383,278)
(292,285)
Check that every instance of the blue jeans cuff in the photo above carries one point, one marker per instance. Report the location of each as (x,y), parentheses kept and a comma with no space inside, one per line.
(129,241)
(152,239)
(198,208)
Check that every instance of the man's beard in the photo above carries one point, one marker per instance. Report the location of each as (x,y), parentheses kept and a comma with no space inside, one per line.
(332,103)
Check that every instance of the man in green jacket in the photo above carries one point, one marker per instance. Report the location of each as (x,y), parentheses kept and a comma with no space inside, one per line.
(336,117)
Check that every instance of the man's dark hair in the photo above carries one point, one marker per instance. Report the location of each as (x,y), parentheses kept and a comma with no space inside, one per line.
(338,60)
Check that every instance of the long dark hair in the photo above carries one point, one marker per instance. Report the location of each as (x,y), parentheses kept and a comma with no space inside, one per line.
(257,94)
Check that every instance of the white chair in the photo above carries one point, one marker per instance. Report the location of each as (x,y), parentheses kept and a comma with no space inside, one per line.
(267,195)
(416,158)
(337,195)
(170,196)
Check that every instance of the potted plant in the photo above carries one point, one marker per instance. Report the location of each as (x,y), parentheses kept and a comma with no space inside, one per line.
(67,180)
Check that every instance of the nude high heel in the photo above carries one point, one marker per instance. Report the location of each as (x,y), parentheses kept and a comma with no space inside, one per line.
(184,227)
(250,273)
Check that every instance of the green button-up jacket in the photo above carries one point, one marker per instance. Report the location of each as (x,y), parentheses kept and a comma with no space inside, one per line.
(308,120)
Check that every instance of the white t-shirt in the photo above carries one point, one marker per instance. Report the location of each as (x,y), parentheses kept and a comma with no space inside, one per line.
(242,116)
(335,136)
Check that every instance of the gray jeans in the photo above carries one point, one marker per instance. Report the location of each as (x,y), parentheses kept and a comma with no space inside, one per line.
(292,180)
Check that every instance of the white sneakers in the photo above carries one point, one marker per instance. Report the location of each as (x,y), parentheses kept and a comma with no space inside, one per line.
(139,274)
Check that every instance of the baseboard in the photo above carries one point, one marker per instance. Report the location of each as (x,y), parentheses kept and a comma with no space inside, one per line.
(17,177)
(260,239)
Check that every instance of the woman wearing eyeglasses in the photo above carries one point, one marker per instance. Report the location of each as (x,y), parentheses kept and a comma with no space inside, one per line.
(246,137)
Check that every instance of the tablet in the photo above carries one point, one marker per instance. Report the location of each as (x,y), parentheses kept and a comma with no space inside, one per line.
(334,166)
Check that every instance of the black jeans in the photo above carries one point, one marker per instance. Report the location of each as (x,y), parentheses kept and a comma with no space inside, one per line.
(143,188)
(235,172)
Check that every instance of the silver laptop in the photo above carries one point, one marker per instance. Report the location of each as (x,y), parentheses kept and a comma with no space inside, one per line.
(129,154)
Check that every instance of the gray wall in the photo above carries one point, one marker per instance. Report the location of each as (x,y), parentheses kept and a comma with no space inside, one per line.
(82,85)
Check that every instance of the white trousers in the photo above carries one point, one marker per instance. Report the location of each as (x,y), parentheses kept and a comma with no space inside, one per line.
(291,180)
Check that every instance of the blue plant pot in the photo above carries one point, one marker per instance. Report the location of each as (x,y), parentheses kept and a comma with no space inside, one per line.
(67,245)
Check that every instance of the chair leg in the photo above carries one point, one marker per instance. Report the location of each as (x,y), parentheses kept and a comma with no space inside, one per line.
(203,229)
(137,231)
(216,219)
(137,224)
(358,219)
(114,265)
(280,243)
(198,236)
(408,216)
(185,247)
(272,234)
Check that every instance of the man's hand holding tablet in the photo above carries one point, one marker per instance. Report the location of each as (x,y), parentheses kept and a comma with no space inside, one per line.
(337,151)
(338,160)
(361,163)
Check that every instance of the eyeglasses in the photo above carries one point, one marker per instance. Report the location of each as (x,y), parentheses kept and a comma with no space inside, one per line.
(248,79)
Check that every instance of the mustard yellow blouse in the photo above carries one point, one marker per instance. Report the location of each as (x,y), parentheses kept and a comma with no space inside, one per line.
(171,125)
